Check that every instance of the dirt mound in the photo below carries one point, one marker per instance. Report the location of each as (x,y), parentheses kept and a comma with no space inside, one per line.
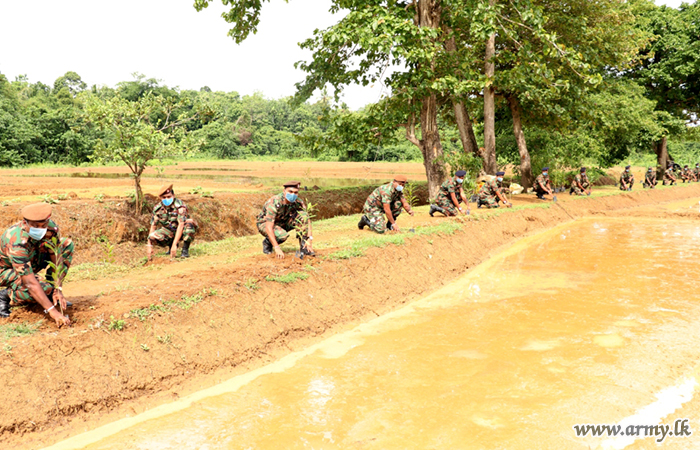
(189,330)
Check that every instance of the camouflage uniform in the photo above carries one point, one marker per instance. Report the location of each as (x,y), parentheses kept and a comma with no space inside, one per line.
(628,178)
(686,174)
(697,173)
(540,181)
(487,194)
(374,209)
(650,179)
(167,219)
(582,179)
(286,217)
(667,176)
(21,255)
(444,199)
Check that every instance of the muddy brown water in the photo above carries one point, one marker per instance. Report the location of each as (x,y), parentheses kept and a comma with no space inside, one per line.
(592,322)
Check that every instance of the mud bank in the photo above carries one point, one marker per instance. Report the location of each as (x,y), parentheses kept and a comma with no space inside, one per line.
(60,383)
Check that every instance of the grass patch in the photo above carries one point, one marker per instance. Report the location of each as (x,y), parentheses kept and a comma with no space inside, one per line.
(358,246)
(98,270)
(291,277)
(18,329)
(186,302)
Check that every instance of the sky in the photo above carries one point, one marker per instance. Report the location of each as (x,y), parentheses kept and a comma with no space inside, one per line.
(106,42)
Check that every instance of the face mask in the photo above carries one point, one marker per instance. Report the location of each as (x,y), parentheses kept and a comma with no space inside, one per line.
(168,201)
(460,181)
(399,188)
(546,174)
(37,233)
(499,179)
(291,197)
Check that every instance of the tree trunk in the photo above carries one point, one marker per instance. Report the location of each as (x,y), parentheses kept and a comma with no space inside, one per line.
(662,157)
(138,197)
(490,105)
(430,145)
(526,178)
(462,119)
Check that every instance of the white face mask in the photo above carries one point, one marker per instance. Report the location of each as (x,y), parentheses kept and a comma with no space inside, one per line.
(399,188)
(499,179)
(37,233)
(460,180)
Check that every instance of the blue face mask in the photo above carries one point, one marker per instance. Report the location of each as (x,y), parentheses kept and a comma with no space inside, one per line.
(460,180)
(168,201)
(291,197)
(399,188)
(37,233)
(499,179)
(546,174)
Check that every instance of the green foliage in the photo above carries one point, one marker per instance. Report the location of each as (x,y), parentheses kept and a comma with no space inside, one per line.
(290,277)
(409,193)
(116,324)
(48,199)
(11,330)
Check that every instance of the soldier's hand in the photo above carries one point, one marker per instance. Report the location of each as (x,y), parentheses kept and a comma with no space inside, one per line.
(411,212)
(308,246)
(59,299)
(59,318)
(149,251)
(278,252)
(173,252)
(395,228)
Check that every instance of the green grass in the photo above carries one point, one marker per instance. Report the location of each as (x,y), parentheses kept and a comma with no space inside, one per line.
(11,330)
(291,277)
(186,302)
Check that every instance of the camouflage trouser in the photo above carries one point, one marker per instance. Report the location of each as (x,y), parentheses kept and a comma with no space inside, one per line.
(667,180)
(9,279)
(163,237)
(629,185)
(377,219)
(281,230)
(446,204)
(577,190)
(648,184)
(539,191)
(489,201)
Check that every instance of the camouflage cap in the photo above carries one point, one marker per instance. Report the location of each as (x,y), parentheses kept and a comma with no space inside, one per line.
(38,212)
(164,189)
(401,178)
(293,184)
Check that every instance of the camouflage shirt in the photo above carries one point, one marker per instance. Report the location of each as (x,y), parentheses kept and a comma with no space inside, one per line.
(169,216)
(490,188)
(626,177)
(277,211)
(543,181)
(650,176)
(383,194)
(582,179)
(17,249)
(450,186)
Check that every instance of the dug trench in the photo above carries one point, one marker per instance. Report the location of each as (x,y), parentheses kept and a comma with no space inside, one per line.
(207,323)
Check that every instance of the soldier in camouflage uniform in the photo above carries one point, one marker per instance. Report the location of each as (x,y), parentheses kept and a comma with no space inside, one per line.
(669,175)
(542,184)
(282,213)
(491,192)
(447,201)
(25,250)
(696,172)
(687,174)
(581,185)
(626,180)
(170,223)
(650,179)
(383,206)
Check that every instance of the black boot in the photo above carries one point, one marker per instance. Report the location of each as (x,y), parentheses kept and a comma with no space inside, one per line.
(4,303)
(434,209)
(363,223)
(302,248)
(185,250)
(267,246)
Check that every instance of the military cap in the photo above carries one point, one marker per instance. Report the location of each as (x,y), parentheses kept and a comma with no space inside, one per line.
(461,173)
(649,169)
(164,189)
(545,169)
(627,167)
(292,184)
(686,165)
(697,164)
(38,212)
(500,174)
(401,178)
(583,169)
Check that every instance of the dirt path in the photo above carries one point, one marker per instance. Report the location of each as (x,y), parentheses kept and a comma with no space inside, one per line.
(207,319)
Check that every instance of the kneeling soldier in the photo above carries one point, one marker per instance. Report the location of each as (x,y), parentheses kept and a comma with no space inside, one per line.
(687,174)
(171,222)
(581,185)
(650,179)
(669,175)
(543,185)
(447,201)
(626,180)
(697,172)
(26,248)
(383,206)
(491,192)
(282,213)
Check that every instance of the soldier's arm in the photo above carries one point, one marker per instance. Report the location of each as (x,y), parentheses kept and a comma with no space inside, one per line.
(406,206)
(501,197)
(176,239)
(454,200)
(34,287)
(387,211)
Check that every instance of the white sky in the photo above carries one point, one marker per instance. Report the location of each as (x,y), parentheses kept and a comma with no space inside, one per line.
(105,42)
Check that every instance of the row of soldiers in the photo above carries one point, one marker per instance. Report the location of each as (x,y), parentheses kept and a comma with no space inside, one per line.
(35,244)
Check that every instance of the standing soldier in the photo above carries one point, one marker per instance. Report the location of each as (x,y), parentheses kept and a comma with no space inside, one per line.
(26,248)
(490,193)
(650,179)
(543,186)
(385,201)
(447,201)
(581,185)
(626,180)
(171,222)
(669,176)
(283,213)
